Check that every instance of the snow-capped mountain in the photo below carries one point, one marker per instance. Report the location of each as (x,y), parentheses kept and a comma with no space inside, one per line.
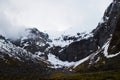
(97,50)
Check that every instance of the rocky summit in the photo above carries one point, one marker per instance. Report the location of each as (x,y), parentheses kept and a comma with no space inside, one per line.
(93,56)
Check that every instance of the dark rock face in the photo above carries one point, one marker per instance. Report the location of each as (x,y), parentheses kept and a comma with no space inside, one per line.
(77,50)
(107,27)
(115,42)
(105,64)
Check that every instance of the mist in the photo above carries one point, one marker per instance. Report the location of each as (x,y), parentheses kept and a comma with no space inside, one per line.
(8,29)
(52,16)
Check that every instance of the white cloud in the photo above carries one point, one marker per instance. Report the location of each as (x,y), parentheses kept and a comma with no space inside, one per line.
(54,15)
(8,29)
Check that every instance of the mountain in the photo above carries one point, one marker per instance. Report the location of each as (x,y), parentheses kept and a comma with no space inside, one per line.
(107,37)
(81,49)
(83,56)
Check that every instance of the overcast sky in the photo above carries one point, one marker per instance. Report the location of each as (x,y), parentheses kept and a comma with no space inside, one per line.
(51,15)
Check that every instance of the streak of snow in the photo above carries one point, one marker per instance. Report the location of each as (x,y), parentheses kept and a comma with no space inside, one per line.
(61,50)
(97,59)
(89,35)
(81,61)
(106,46)
(60,43)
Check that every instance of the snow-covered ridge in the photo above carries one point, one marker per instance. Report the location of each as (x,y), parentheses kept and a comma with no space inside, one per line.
(65,40)
(6,47)
(36,35)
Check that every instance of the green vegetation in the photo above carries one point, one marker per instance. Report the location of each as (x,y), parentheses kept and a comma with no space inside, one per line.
(107,75)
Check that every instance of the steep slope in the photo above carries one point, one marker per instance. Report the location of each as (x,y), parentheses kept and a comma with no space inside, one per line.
(115,42)
(83,47)
(107,57)
(17,61)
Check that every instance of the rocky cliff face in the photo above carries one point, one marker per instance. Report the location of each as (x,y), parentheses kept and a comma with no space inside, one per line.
(107,35)
(82,48)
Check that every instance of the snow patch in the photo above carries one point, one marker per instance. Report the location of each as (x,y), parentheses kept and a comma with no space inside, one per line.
(58,63)
(59,42)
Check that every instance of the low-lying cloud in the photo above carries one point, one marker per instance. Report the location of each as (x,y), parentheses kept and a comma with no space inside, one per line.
(71,16)
(8,29)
